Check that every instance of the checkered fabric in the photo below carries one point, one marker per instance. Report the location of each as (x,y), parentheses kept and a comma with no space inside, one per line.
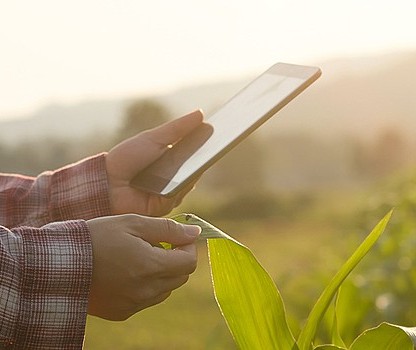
(46,254)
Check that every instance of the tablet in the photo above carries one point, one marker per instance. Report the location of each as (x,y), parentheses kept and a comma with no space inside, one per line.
(223,129)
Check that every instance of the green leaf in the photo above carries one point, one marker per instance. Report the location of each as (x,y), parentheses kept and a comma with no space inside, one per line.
(336,337)
(387,337)
(246,294)
(329,347)
(307,334)
(208,230)
(248,298)
(410,331)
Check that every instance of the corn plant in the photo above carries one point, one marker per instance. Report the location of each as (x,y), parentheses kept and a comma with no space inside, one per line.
(253,307)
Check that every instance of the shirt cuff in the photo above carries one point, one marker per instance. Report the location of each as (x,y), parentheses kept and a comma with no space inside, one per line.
(80,190)
(56,280)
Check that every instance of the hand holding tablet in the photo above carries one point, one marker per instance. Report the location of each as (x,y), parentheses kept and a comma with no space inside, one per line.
(225,128)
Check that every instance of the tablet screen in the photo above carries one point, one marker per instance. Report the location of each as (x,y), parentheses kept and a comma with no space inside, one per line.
(221,131)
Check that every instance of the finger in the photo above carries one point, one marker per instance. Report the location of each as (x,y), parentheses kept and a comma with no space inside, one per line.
(160,206)
(158,287)
(182,193)
(156,141)
(180,261)
(177,262)
(138,152)
(155,230)
(172,131)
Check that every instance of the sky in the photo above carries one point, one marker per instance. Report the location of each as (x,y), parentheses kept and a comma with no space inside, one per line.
(55,51)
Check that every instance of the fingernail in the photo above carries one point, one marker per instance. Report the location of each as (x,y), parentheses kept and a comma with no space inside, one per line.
(192,230)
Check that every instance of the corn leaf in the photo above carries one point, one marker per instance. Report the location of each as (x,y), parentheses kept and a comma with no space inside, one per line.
(307,334)
(246,295)
(329,347)
(387,337)
(335,335)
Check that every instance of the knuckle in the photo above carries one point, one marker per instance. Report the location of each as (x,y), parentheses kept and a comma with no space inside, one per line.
(194,264)
(133,218)
(184,279)
(163,297)
(125,219)
(170,225)
(192,261)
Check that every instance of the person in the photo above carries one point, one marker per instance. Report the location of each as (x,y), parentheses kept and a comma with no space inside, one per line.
(81,240)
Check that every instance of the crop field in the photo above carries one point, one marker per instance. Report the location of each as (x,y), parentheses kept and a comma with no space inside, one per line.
(301,253)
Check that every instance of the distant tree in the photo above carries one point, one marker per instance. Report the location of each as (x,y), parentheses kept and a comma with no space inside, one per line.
(31,157)
(142,115)
(360,159)
(391,152)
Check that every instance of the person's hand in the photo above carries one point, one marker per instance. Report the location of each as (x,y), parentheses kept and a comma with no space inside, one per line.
(128,158)
(130,270)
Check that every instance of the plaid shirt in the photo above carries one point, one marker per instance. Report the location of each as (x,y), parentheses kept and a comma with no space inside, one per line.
(46,254)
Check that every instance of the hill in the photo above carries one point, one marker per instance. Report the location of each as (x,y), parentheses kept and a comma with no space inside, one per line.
(355,97)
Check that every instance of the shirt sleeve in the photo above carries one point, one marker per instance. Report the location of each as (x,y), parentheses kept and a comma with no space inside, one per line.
(46,254)
(77,191)
(45,275)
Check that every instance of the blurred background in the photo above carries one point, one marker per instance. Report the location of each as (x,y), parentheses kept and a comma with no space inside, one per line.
(77,77)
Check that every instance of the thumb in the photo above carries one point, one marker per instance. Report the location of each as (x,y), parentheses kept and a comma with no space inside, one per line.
(134,154)
(171,132)
(155,230)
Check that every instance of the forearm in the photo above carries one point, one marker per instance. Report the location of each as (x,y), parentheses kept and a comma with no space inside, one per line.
(45,277)
(78,191)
